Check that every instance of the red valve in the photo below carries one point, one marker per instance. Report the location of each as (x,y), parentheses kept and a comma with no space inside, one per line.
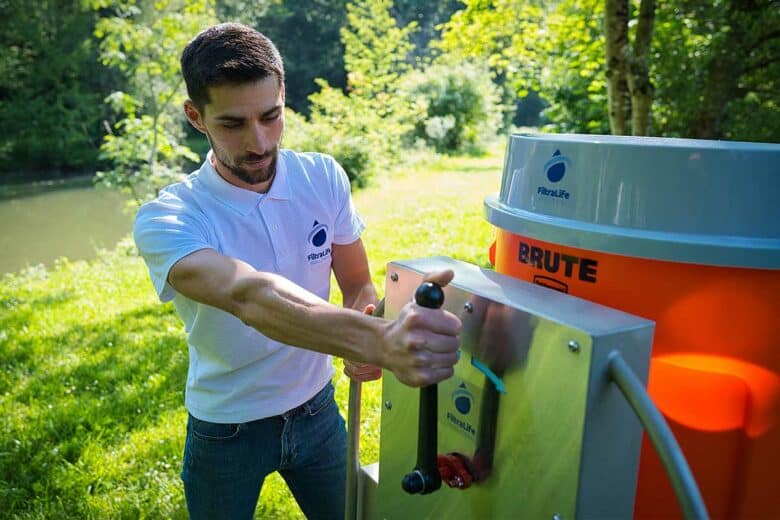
(455,470)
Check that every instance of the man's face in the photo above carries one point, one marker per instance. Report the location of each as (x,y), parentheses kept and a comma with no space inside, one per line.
(244,125)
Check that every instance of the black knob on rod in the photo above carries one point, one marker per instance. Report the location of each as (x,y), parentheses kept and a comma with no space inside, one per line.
(425,478)
(429,295)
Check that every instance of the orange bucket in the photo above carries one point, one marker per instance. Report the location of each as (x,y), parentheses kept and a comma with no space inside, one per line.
(612,220)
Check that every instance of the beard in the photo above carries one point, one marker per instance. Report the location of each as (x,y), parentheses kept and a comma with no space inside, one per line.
(239,168)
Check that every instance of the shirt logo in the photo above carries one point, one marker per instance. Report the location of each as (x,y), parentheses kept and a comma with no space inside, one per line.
(318,237)
(318,234)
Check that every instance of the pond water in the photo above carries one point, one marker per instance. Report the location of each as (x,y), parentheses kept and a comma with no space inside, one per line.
(74,220)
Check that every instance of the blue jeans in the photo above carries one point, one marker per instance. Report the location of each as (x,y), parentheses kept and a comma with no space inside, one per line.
(225,464)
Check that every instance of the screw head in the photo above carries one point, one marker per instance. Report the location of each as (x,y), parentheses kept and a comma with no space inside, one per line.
(574,347)
(469,307)
(389,405)
(394,277)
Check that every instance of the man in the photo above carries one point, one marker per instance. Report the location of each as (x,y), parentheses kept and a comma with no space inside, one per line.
(245,247)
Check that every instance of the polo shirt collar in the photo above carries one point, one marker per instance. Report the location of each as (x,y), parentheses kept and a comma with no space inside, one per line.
(241,200)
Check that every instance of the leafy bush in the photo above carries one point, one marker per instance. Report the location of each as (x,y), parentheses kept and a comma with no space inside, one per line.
(458,107)
(348,146)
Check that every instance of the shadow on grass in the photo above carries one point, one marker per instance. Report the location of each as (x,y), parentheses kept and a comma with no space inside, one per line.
(93,384)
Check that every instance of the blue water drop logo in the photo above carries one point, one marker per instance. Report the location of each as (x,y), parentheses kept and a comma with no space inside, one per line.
(555,168)
(461,398)
(319,238)
(319,234)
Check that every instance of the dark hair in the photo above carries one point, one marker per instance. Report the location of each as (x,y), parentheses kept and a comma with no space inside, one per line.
(228,53)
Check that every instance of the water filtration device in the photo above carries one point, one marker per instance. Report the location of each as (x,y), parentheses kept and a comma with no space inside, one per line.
(685,233)
(619,263)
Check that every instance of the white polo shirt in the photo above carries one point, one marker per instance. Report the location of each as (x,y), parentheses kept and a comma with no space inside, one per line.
(237,374)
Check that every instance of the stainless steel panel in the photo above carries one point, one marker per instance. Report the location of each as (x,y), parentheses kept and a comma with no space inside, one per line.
(542,344)
(367,480)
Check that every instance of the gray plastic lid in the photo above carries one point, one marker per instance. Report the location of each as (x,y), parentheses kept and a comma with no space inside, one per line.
(682,200)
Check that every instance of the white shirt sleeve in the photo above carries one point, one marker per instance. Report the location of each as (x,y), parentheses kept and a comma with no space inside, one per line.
(349,226)
(165,232)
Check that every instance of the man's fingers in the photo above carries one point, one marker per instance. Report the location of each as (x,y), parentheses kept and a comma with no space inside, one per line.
(427,362)
(365,378)
(361,371)
(447,360)
(366,369)
(427,377)
(437,343)
(440,277)
(440,374)
(436,321)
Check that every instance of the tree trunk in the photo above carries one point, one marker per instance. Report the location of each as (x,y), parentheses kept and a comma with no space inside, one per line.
(616,30)
(639,85)
(723,75)
(719,90)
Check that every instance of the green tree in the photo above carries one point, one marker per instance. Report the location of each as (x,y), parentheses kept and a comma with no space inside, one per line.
(144,41)
(504,34)
(554,49)
(629,90)
(428,16)
(572,78)
(716,69)
(307,35)
(713,67)
(363,127)
(376,51)
(50,87)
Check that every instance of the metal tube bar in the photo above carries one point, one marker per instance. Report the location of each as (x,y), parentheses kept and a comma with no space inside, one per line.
(353,449)
(353,436)
(663,440)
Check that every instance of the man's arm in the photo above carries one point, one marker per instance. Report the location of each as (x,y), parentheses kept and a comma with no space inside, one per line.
(419,347)
(350,265)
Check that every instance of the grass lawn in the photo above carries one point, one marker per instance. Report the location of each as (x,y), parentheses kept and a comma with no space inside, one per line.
(92,367)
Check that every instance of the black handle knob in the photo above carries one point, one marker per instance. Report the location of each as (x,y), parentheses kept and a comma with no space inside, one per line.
(430,295)
(425,478)
(413,482)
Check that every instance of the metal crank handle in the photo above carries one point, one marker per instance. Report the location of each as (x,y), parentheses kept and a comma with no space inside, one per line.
(425,478)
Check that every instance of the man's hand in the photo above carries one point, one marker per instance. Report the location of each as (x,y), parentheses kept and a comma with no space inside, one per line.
(363,371)
(420,347)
